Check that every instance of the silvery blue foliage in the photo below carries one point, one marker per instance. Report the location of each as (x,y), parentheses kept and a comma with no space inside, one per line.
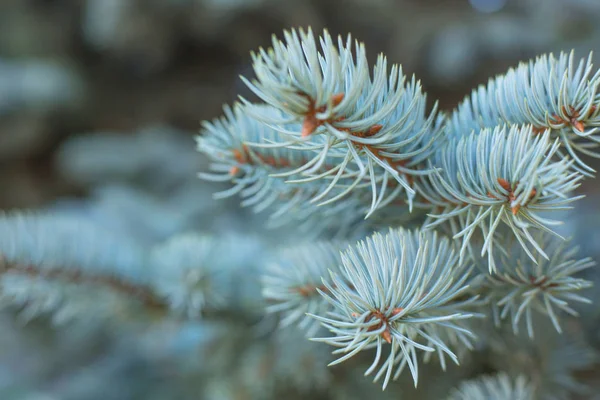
(185,272)
(396,290)
(335,143)
(292,279)
(198,272)
(51,263)
(495,387)
(102,21)
(63,302)
(557,93)
(241,257)
(256,174)
(375,126)
(521,286)
(502,176)
(145,216)
(50,260)
(55,241)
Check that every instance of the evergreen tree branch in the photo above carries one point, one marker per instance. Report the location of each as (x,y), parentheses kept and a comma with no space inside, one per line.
(396,290)
(521,287)
(502,176)
(556,93)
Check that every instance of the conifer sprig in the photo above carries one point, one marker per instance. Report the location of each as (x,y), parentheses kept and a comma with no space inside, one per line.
(256,174)
(293,279)
(337,141)
(394,292)
(503,176)
(376,125)
(521,287)
(556,93)
(62,266)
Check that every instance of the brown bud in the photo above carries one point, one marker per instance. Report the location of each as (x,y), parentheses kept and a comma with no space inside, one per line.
(386,335)
(337,98)
(504,183)
(310,124)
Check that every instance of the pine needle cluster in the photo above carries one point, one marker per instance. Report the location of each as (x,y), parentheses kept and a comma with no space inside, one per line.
(339,152)
(493,177)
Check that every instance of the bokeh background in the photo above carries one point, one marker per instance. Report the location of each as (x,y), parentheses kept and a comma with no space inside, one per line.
(100,101)
(72,66)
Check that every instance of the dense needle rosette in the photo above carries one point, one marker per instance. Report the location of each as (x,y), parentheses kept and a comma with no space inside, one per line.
(256,174)
(549,92)
(375,125)
(503,176)
(521,287)
(394,293)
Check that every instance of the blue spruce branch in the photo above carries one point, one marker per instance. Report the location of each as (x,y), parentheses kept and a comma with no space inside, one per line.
(556,93)
(340,148)
(374,125)
(396,289)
